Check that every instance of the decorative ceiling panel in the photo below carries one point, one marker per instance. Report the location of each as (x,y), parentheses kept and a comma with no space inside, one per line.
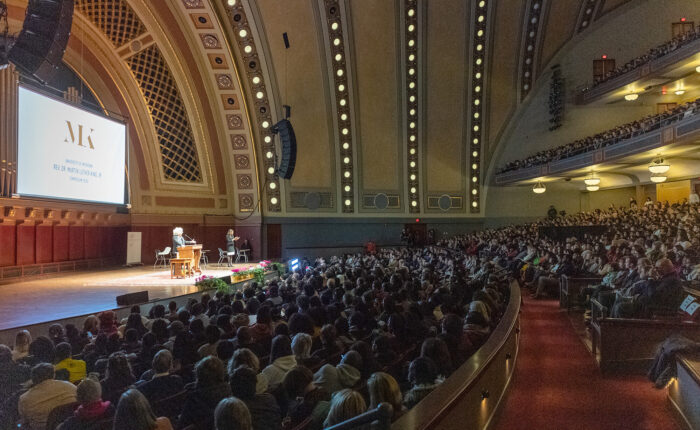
(114,17)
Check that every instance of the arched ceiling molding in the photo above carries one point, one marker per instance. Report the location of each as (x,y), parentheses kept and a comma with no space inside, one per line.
(244,33)
(608,6)
(482,13)
(589,10)
(180,158)
(336,28)
(211,49)
(530,46)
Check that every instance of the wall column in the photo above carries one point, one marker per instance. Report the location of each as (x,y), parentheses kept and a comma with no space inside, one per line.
(9,81)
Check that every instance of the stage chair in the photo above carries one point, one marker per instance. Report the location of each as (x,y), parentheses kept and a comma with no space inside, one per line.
(242,253)
(224,255)
(162,256)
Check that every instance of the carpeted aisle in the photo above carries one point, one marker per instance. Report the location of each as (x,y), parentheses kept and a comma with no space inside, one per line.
(557,385)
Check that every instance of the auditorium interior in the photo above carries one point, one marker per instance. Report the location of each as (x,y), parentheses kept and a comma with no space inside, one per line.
(349,214)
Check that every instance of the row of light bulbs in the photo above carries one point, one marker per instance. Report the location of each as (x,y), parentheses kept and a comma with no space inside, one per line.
(658,169)
(630,97)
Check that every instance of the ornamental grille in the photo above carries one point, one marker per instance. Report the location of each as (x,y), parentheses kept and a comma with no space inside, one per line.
(177,146)
(114,17)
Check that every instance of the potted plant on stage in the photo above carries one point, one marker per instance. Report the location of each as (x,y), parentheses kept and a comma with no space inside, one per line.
(240,275)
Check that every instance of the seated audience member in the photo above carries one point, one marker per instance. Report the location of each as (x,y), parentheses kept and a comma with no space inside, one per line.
(64,361)
(91,410)
(305,398)
(57,334)
(665,295)
(383,353)
(345,375)
(244,339)
(245,357)
(225,350)
(232,414)
(345,404)
(21,348)
(436,349)
(108,322)
(44,395)
(162,384)
(264,410)
(135,413)
(422,375)
(41,350)
(369,364)
(330,346)
(117,378)
(281,361)
(12,374)
(383,388)
(301,346)
(204,394)
(213,335)
(476,330)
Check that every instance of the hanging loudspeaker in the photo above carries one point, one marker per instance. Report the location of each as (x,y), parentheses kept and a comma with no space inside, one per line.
(40,45)
(289,148)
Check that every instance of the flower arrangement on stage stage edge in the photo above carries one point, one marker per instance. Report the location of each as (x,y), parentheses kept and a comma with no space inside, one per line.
(212,283)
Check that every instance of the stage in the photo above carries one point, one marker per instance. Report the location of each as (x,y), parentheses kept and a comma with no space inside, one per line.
(78,293)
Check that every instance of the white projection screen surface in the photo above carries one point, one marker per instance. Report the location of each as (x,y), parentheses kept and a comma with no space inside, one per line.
(68,153)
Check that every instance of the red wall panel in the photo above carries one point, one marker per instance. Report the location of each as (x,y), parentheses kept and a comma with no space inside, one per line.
(76,242)
(25,244)
(8,240)
(44,243)
(92,242)
(60,243)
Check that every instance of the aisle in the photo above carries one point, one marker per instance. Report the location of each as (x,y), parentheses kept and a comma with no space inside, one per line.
(557,385)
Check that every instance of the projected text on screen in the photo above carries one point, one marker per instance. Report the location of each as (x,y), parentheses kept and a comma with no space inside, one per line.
(68,153)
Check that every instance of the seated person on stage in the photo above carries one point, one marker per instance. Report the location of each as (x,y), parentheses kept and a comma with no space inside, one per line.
(178,240)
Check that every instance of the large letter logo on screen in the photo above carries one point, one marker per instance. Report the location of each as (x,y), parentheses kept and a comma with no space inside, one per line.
(71,135)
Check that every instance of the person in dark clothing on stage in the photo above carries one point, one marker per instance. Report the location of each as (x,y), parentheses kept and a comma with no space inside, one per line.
(231,239)
(178,240)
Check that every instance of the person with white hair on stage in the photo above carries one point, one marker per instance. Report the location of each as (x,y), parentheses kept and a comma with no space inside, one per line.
(178,240)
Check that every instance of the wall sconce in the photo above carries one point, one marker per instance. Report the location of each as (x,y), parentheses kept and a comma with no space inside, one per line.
(485,395)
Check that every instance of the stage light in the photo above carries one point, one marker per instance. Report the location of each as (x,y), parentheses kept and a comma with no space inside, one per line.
(592,187)
(539,188)
(657,178)
(631,97)
(412,99)
(412,138)
(293,264)
(658,165)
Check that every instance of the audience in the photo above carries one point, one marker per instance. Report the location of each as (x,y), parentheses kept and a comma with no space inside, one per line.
(345,404)
(45,394)
(264,410)
(232,414)
(92,408)
(606,138)
(162,384)
(135,413)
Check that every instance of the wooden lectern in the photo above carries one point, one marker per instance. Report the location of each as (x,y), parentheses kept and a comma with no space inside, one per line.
(192,253)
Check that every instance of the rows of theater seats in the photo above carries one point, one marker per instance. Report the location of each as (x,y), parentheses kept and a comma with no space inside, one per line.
(310,350)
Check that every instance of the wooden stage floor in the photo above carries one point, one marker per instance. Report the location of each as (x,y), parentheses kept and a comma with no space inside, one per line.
(66,295)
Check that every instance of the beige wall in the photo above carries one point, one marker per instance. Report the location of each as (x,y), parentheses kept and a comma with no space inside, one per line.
(673,192)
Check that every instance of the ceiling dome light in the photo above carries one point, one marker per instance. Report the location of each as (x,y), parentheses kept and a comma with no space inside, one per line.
(679,92)
(631,97)
(539,188)
(697,69)
(657,178)
(591,181)
(592,188)
(658,165)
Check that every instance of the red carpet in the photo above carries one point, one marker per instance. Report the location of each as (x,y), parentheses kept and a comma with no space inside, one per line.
(557,385)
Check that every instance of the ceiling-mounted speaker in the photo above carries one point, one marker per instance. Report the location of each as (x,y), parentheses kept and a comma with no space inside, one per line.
(289,148)
(39,48)
(445,202)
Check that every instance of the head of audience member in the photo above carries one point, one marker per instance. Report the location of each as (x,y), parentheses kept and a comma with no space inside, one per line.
(422,371)
(301,346)
(118,368)
(209,372)
(89,392)
(232,414)
(42,372)
(664,267)
(22,341)
(225,350)
(56,333)
(62,352)
(134,412)
(281,347)
(162,361)
(5,354)
(436,349)
(345,404)
(243,382)
(42,349)
(244,357)
(297,382)
(383,388)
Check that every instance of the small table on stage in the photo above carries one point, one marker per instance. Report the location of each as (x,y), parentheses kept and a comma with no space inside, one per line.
(193,253)
(180,267)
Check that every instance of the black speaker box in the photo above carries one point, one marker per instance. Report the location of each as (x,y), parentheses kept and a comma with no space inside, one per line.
(132,298)
(40,45)
(289,149)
